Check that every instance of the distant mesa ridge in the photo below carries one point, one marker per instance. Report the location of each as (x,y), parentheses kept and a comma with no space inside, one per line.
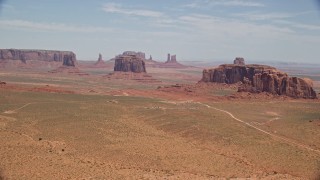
(67,58)
(260,78)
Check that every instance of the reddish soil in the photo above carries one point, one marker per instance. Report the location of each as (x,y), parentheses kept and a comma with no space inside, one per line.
(139,77)
(69,70)
(200,92)
(167,134)
(46,88)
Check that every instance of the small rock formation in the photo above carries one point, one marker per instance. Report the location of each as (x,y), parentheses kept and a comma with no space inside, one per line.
(260,78)
(171,59)
(168,58)
(25,55)
(239,61)
(150,58)
(100,58)
(171,63)
(129,63)
(100,62)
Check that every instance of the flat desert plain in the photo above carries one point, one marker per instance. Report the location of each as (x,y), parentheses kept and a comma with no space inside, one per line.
(91,126)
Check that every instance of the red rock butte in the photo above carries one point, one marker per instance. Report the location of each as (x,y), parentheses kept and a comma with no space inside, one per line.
(129,63)
(260,78)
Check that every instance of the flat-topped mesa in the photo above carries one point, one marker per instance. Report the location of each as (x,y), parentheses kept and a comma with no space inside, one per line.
(26,55)
(141,55)
(260,78)
(239,61)
(129,63)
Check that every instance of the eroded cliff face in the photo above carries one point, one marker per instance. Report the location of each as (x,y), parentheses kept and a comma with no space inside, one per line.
(260,78)
(40,55)
(69,60)
(131,63)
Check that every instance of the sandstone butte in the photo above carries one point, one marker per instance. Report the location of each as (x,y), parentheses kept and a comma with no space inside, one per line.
(67,58)
(171,63)
(129,63)
(260,78)
(100,62)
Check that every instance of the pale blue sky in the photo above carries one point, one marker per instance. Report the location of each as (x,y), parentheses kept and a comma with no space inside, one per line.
(212,30)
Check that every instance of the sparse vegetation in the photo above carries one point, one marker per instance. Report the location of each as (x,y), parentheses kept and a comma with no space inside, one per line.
(124,128)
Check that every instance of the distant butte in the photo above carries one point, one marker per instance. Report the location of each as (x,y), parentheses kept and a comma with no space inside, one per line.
(100,62)
(130,62)
(260,78)
(131,65)
(171,63)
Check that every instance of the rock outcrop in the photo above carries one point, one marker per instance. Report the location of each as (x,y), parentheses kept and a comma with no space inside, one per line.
(129,63)
(171,59)
(140,55)
(171,63)
(239,61)
(65,57)
(260,78)
(100,58)
(100,63)
(69,60)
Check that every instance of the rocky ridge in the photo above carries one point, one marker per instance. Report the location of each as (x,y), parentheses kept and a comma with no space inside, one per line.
(260,78)
(68,58)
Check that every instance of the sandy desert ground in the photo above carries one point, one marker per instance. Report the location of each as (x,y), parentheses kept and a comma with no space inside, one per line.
(71,126)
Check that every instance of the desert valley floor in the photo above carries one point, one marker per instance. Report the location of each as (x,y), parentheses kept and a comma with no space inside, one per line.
(166,126)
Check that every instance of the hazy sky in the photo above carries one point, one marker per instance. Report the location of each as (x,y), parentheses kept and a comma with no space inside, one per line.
(285,30)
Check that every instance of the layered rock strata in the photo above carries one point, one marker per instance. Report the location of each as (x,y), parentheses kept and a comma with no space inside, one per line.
(66,57)
(260,78)
(129,63)
(69,60)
